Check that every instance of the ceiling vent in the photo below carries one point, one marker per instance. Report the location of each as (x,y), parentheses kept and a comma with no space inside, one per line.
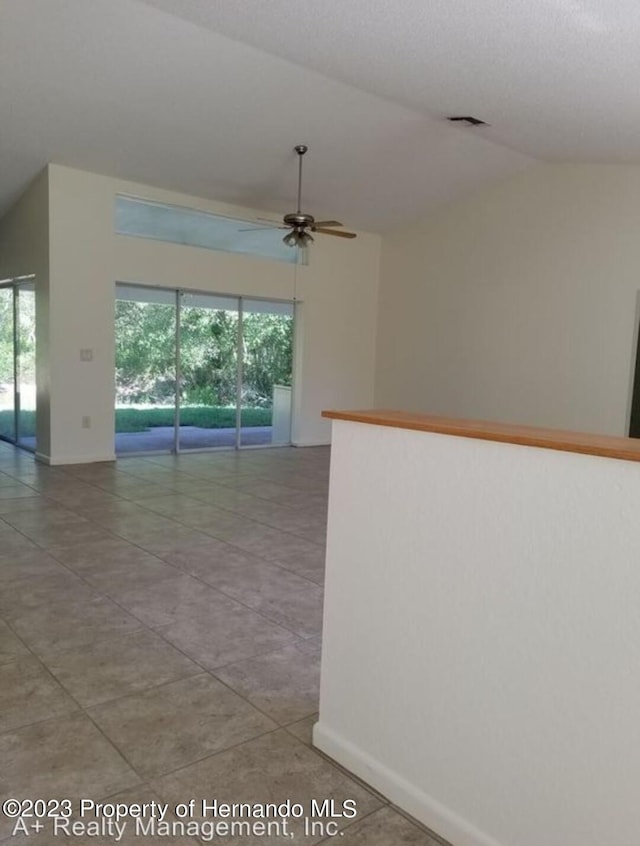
(468,120)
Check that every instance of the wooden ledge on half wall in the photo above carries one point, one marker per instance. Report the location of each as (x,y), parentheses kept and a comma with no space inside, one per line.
(608,446)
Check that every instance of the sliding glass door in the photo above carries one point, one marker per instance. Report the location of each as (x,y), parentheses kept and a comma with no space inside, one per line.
(25,348)
(267,364)
(7,364)
(208,371)
(146,369)
(18,362)
(200,371)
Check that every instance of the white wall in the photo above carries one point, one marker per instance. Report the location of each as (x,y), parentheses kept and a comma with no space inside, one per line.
(338,294)
(24,250)
(482,637)
(519,303)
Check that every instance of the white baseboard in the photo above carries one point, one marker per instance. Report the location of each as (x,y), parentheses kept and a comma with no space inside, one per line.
(310,443)
(73,459)
(442,820)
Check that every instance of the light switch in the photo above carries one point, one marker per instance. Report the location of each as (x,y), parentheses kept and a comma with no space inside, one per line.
(86,355)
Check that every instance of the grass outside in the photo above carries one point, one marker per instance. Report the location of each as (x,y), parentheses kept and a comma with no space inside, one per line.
(203,416)
(143,419)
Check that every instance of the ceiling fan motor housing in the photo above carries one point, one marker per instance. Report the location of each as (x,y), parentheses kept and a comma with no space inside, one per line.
(298,219)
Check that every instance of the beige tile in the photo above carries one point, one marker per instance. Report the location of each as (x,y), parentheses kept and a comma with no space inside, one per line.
(12,506)
(202,548)
(13,541)
(78,557)
(303,729)
(11,647)
(53,515)
(110,514)
(266,489)
(114,668)
(15,491)
(244,577)
(7,481)
(63,757)
(114,564)
(265,541)
(91,498)
(65,534)
(314,557)
(241,529)
(284,684)
(50,629)
(54,590)
(263,511)
(171,600)
(136,489)
(162,541)
(211,519)
(179,723)
(299,611)
(222,496)
(311,645)
(139,522)
(296,520)
(27,561)
(316,536)
(172,505)
(226,636)
(28,693)
(383,828)
(312,573)
(273,768)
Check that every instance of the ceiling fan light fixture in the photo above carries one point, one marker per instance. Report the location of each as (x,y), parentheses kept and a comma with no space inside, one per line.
(298,237)
(290,239)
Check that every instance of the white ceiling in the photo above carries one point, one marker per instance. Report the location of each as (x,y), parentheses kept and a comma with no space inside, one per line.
(209,96)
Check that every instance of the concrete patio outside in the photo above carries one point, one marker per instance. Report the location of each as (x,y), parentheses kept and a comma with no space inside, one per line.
(161,438)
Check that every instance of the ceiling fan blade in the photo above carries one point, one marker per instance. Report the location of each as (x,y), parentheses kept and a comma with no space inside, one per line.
(261,228)
(337,234)
(324,223)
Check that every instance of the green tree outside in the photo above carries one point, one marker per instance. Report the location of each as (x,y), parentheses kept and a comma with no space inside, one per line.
(145,358)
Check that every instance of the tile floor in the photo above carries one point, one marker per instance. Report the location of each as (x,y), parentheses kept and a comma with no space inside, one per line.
(160,623)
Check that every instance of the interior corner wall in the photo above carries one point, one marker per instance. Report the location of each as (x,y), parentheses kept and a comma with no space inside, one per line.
(518,304)
(24,250)
(337,295)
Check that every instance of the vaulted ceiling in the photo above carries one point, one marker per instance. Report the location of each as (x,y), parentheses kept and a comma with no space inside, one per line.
(209,96)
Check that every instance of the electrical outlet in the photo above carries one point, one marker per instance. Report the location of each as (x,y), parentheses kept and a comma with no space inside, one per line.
(86,422)
(86,355)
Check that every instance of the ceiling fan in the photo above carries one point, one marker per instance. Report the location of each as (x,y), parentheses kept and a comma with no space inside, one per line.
(301,225)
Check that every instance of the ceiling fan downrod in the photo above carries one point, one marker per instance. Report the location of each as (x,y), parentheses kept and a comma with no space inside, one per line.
(300,149)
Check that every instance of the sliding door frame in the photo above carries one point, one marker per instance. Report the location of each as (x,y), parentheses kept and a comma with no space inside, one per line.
(14,285)
(239,373)
(178,371)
